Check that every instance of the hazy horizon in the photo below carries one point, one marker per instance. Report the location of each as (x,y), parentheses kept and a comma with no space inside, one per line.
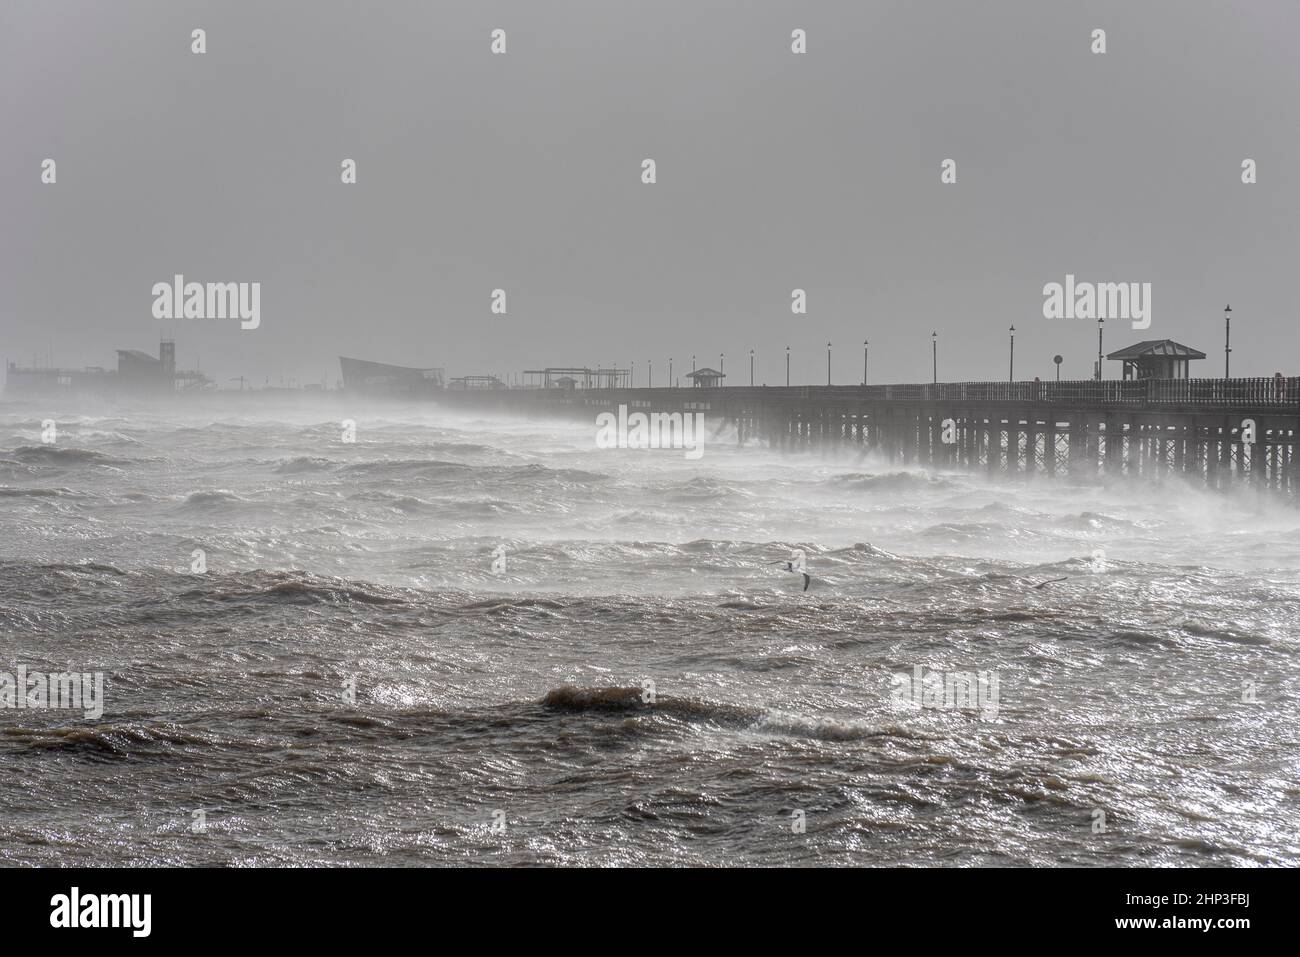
(522,171)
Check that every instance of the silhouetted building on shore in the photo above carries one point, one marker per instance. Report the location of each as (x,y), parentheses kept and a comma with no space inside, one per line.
(137,374)
(380,378)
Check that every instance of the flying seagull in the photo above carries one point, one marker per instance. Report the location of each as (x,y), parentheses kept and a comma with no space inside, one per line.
(789,566)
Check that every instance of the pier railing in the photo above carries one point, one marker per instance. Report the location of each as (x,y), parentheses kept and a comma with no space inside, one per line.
(1276,392)
(1114,392)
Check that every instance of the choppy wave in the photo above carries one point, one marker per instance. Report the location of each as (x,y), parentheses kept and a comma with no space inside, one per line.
(59,455)
(116,739)
(8,492)
(638,701)
(620,701)
(291,588)
(212,498)
(892,481)
(304,463)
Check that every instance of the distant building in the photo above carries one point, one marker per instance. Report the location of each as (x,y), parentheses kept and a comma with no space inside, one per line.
(138,373)
(707,378)
(581,377)
(44,381)
(467,382)
(362,375)
(1156,359)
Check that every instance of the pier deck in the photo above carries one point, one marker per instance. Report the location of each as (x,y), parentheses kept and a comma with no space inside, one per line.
(1217,431)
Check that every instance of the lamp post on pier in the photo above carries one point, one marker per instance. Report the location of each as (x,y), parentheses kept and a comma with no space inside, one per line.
(1227,338)
(1100,324)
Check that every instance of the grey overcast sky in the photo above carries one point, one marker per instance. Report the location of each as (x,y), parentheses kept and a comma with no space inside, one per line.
(775,171)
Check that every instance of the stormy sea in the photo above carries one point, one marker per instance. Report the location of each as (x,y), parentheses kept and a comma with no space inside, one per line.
(443,638)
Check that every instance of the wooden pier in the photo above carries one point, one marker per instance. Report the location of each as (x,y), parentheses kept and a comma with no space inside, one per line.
(1218,432)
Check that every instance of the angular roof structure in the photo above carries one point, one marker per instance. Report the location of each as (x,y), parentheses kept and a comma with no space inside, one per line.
(1157,347)
(366,375)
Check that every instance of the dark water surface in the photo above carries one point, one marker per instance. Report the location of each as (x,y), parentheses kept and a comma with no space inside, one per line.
(1146,706)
